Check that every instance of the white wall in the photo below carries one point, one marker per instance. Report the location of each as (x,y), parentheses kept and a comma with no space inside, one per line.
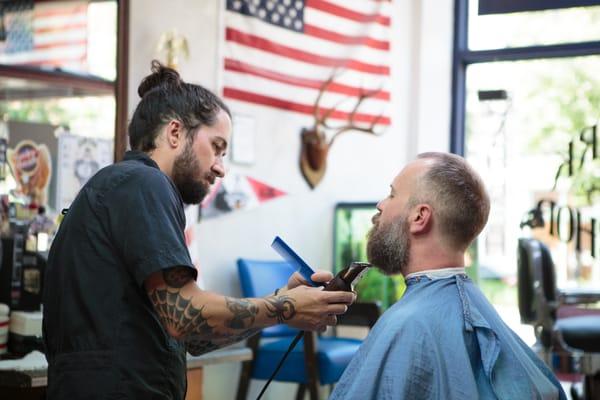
(360,167)
(431,73)
(194,19)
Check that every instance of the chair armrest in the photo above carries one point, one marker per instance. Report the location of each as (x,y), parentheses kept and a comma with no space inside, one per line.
(361,314)
(579,296)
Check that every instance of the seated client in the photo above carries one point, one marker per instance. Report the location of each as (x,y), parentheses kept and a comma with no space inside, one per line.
(443,339)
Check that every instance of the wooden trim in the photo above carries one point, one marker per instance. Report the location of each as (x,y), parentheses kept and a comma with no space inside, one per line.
(246,371)
(219,356)
(311,364)
(121,95)
(301,391)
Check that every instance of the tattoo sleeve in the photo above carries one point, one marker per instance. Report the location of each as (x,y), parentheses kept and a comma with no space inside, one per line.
(244,312)
(281,308)
(177,277)
(179,314)
(183,319)
(207,321)
(243,316)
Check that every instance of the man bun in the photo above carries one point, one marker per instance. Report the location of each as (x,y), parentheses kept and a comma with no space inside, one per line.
(160,76)
(164,97)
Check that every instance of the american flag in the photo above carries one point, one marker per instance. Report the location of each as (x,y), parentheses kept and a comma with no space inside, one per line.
(52,34)
(279,53)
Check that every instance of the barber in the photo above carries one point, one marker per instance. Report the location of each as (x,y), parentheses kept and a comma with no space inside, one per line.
(121,305)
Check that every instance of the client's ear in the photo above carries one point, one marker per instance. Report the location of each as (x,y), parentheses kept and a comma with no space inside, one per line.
(420,218)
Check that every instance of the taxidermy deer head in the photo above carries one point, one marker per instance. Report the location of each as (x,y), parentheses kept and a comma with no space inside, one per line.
(315,145)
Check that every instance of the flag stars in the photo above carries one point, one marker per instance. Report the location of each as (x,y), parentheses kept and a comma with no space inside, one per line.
(286,14)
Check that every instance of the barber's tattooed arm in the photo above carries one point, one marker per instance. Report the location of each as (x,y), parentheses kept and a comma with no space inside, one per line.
(206,321)
(281,308)
(243,316)
(177,276)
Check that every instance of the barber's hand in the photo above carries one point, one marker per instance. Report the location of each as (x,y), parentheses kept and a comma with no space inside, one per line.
(319,276)
(313,308)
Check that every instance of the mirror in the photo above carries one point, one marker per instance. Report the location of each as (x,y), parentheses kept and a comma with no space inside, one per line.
(62,99)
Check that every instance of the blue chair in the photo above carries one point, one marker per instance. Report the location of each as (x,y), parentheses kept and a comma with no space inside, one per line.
(315,359)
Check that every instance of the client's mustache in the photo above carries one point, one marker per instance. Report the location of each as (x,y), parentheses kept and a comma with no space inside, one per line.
(375,218)
(210,178)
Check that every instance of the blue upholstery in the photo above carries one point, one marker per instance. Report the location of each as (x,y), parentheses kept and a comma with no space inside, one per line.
(260,278)
(333,356)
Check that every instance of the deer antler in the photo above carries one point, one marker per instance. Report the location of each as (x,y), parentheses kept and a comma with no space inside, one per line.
(320,120)
(352,124)
(315,147)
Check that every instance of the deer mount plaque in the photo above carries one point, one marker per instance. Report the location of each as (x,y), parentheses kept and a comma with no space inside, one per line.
(314,143)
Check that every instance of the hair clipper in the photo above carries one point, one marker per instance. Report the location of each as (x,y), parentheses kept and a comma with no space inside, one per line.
(348,277)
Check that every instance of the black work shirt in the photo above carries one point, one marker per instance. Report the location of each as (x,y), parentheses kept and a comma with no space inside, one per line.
(103,338)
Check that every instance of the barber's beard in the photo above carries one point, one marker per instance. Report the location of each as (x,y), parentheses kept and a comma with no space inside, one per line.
(185,170)
(388,246)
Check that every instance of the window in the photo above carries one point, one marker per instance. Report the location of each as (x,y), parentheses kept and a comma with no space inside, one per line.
(525,93)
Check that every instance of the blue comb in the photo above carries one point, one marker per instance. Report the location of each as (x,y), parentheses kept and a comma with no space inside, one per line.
(294,259)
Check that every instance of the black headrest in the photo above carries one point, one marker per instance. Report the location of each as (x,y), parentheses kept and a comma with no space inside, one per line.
(548,274)
(535,268)
(525,282)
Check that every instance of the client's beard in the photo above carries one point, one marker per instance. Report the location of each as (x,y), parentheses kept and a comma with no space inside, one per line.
(388,246)
(185,168)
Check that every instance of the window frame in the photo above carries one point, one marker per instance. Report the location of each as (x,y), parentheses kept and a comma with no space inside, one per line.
(462,57)
(90,84)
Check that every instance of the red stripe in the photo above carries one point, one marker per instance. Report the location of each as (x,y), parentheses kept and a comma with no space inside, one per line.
(5,323)
(64,11)
(297,107)
(51,45)
(54,63)
(320,33)
(238,66)
(338,11)
(285,51)
(61,28)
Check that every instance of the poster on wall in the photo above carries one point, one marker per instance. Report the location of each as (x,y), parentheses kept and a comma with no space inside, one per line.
(79,158)
(32,169)
(237,192)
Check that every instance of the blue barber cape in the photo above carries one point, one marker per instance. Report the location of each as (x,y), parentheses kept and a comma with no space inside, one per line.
(444,340)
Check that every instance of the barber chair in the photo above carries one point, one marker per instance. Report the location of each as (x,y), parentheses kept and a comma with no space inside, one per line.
(568,345)
(316,359)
